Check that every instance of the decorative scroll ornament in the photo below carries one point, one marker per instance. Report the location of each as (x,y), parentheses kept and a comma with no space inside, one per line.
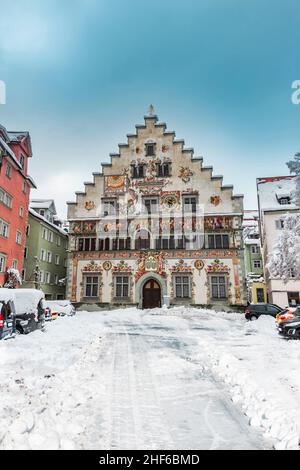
(107,265)
(89,205)
(122,267)
(185,174)
(215,200)
(217,267)
(199,264)
(215,223)
(181,267)
(85,228)
(92,267)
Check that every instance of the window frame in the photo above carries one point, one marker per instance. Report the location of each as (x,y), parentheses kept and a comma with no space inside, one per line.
(123,284)
(180,282)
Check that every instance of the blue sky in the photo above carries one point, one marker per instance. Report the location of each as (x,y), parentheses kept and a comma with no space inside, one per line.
(81,73)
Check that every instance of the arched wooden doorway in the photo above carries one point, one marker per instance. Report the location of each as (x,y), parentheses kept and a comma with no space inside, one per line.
(151,294)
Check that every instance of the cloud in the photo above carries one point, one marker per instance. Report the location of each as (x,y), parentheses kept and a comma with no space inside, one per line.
(61,187)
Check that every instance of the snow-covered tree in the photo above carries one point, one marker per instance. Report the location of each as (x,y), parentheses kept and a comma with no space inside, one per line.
(294,167)
(284,262)
(13,279)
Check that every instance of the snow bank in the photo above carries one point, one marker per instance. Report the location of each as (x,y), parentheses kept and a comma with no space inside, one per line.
(261,379)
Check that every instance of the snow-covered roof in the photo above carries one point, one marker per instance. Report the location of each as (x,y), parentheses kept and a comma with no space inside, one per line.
(43,219)
(42,204)
(271,190)
(6,294)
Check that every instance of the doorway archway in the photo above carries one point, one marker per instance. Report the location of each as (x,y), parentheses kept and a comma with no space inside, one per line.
(151,294)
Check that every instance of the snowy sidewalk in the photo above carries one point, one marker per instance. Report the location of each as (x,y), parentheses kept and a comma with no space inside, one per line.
(130,379)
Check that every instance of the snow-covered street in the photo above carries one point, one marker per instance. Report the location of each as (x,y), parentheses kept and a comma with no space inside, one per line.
(159,379)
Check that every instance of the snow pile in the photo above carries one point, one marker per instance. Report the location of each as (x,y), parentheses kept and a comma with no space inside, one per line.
(50,385)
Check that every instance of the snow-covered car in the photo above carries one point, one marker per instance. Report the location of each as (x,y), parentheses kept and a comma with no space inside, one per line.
(30,310)
(290,328)
(62,307)
(7,314)
(254,311)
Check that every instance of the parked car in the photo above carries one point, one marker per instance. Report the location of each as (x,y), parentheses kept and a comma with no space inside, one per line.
(48,314)
(290,328)
(7,314)
(30,310)
(254,311)
(287,314)
(62,307)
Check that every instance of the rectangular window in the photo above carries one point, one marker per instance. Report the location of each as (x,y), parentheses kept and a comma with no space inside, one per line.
(109,207)
(45,234)
(2,263)
(150,150)
(279,224)
(24,187)
(122,286)
(8,170)
(49,257)
(218,287)
(43,255)
(22,161)
(5,198)
(58,241)
(138,171)
(87,244)
(18,237)
(55,279)
(163,169)
(14,264)
(189,204)
(182,287)
(50,236)
(57,260)
(4,229)
(25,252)
(257,263)
(91,286)
(47,278)
(218,241)
(150,205)
(255,250)
(27,230)
(21,213)
(41,277)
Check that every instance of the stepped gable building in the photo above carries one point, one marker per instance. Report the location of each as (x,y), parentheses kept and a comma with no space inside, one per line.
(155,228)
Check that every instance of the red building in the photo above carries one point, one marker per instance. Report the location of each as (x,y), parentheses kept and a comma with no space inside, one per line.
(15,185)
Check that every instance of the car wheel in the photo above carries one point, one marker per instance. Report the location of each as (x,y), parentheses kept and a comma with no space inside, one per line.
(18,331)
(253,318)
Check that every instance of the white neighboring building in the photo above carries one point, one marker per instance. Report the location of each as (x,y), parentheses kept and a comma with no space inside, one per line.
(274,202)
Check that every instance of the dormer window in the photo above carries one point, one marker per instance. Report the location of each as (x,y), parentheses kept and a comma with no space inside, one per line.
(150,150)
(284,201)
